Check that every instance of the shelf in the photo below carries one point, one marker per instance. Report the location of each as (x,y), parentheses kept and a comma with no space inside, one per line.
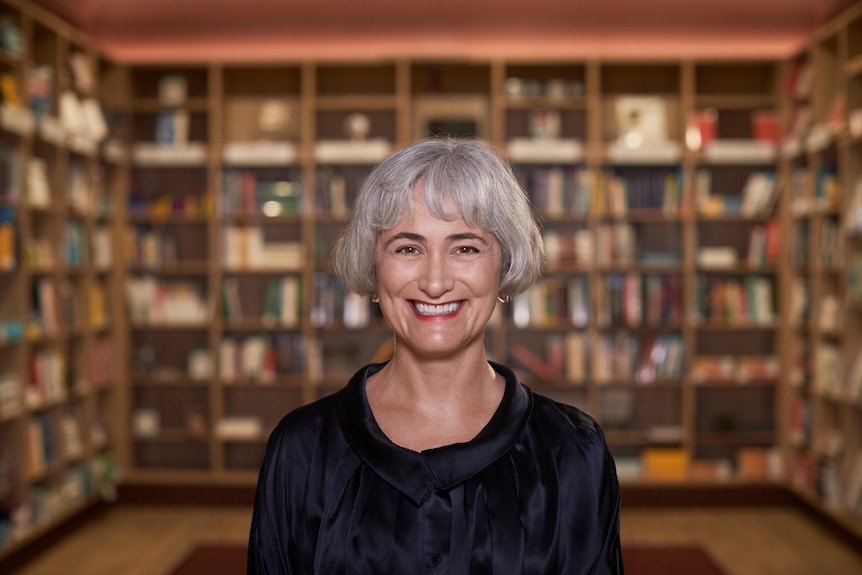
(259,154)
(157,155)
(668,153)
(544,151)
(346,152)
(740,152)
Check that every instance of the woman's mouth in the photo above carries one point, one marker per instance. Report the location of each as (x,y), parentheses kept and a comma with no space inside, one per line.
(427,309)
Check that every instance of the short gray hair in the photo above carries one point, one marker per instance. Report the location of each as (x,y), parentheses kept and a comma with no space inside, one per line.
(468,172)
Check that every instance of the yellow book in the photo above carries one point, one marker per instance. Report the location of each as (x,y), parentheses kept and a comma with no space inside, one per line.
(665,463)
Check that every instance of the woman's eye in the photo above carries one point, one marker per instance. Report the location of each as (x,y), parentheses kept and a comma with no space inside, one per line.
(467,250)
(409,250)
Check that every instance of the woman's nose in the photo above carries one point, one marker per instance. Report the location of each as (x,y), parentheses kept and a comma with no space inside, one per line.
(437,276)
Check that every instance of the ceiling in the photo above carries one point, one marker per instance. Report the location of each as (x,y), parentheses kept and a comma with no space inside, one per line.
(237,30)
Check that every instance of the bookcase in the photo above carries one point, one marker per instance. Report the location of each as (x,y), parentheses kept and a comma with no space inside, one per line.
(233,207)
(59,383)
(821,162)
(701,218)
(694,242)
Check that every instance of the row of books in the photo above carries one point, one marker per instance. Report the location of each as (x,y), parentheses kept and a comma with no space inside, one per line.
(828,381)
(43,453)
(193,205)
(334,191)
(261,358)
(757,198)
(80,125)
(800,368)
(8,239)
(623,356)
(47,378)
(814,193)
(11,392)
(57,306)
(853,215)
(76,248)
(635,299)
(150,248)
(252,247)
(800,301)
(764,244)
(557,191)
(560,356)
(253,192)
(333,305)
(836,482)
(46,502)
(282,301)
(667,463)
(154,302)
(577,358)
(553,301)
(568,249)
(618,243)
(734,368)
(625,189)
(801,416)
(81,194)
(735,301)
(75,251)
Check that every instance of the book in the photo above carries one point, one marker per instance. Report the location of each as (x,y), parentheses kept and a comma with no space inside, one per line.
(665,463)
(532,361)
(8,242)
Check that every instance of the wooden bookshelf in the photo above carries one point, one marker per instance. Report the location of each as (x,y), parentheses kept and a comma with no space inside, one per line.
(60,436)
(697,238)
(699,378)
(821,167)
(621,224)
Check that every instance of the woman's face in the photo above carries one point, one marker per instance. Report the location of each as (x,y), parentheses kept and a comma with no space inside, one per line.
(437,281)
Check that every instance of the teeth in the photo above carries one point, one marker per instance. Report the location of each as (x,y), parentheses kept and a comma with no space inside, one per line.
(426,309)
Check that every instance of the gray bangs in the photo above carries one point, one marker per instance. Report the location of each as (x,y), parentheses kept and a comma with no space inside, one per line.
(443,180)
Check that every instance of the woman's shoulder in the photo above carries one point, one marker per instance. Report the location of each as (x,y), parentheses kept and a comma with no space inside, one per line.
(310,419)
(565,420)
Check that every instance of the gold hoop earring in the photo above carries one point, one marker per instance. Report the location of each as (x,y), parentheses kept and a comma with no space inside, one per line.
(503,299)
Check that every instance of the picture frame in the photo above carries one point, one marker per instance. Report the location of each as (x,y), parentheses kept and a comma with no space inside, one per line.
(455,116)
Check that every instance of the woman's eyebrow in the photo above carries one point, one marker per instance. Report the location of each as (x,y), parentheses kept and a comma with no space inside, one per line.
(467,236)
(405,236)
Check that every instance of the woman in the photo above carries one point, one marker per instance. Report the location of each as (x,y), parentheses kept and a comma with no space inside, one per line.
(437,461)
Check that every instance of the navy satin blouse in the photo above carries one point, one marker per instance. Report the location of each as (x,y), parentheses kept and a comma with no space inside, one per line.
(534,493)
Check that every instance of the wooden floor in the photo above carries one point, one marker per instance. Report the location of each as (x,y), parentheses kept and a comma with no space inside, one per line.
(133,540)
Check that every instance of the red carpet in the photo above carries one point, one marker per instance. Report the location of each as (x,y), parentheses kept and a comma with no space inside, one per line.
(230,560)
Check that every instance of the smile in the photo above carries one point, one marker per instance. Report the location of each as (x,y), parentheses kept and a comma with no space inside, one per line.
(441,309)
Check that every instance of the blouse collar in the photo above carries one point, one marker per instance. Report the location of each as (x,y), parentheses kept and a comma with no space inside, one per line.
(414,474)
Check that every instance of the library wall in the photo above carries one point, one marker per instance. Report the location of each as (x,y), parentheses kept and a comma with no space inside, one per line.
(170,274)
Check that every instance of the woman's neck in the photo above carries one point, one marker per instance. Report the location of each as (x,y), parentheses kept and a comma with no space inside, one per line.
(425,403)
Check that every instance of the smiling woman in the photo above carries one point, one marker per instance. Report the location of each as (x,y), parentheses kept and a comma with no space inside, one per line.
(438,460)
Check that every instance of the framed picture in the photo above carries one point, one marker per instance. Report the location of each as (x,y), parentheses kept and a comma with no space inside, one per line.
(454,116)
(641,121)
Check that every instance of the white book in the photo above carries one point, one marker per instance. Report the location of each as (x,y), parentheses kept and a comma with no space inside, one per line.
(290,301)
(575,358)
(228,359)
